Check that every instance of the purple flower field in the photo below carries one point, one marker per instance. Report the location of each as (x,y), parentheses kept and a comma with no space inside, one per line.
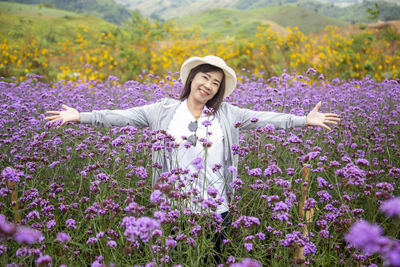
(81,195)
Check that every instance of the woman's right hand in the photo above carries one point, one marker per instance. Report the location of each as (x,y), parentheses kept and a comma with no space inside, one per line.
(67,115)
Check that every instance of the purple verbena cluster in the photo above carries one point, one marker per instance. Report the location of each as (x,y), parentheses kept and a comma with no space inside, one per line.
(83,195)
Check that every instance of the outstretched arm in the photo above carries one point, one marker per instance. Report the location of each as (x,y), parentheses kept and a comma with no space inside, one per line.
(139,117)
(315,118)
(67,115)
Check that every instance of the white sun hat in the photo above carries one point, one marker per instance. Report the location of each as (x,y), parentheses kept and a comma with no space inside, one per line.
(230,76)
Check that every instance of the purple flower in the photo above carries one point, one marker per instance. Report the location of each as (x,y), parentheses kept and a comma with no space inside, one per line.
(324,196)
(100,234)
(246,221)
(191,242)
(248,246)
(237,183)
(198,163)
(6,227)
(352,174)
(366,236)
(369,239)
(91,240)
(141,172)
(51,223)
(208,111)
(272,169)
(311,71)
(362,162)
(324,233)
(11,175)
(257,172)
(254,120)
(143,228)
(70,223)
(260,236)
(281,206)
(322,182)
(155,196)
(44,261)
(33,215)
(112,244)
(309,248)
(248,238)
(391,207)
(170,242)
(334,163)
(231,259)
(290,171)
(63,237)
(211,191)
(27,235)
(247,263)
(102,177)
(232,169)
(310,203)
(206,123)
(54,163)
(393,256)
(294,139)
(310,156)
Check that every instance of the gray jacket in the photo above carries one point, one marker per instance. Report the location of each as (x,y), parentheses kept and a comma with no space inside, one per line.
(158,115)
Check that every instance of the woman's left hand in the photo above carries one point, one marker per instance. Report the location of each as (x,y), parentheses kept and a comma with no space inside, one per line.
(315,118)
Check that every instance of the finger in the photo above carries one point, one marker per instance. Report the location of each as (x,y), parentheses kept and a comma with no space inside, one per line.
(332,118)
(316,108)
(331,122)
(61,124)
(327,119)
(52,117)
(331,114)
(65,106)
(55,120)
(326,127)
(53,112)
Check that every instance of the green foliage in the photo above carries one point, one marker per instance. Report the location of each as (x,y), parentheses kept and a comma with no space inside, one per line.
(389,34)
(355,13)
(373,12)
(104,9)
(245,22)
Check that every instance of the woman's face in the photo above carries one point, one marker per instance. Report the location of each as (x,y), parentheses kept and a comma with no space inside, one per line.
(205,86)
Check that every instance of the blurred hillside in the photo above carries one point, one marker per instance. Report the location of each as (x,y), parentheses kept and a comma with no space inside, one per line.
(352,11)
(107,10)
(232,22)
(64,45)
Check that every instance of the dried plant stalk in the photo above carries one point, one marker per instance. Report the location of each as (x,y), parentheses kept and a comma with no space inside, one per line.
(305,216)
(14,198)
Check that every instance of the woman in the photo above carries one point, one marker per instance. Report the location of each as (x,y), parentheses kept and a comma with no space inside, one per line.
(205,137)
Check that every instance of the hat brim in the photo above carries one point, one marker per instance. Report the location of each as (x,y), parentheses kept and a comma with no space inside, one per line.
(230,76)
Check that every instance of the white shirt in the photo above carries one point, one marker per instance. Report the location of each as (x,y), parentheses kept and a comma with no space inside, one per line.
(183,157)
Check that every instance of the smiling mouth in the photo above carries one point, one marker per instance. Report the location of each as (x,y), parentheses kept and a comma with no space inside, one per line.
(203,92)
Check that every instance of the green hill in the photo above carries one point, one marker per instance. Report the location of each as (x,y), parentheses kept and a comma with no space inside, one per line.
(244,22)
(355,13)
(107,10)
(18,20)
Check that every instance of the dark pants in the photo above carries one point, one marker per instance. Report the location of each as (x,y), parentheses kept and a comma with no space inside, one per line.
(219,237)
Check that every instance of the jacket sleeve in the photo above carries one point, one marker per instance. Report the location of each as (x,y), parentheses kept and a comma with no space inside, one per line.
(251,119)
(138,117)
